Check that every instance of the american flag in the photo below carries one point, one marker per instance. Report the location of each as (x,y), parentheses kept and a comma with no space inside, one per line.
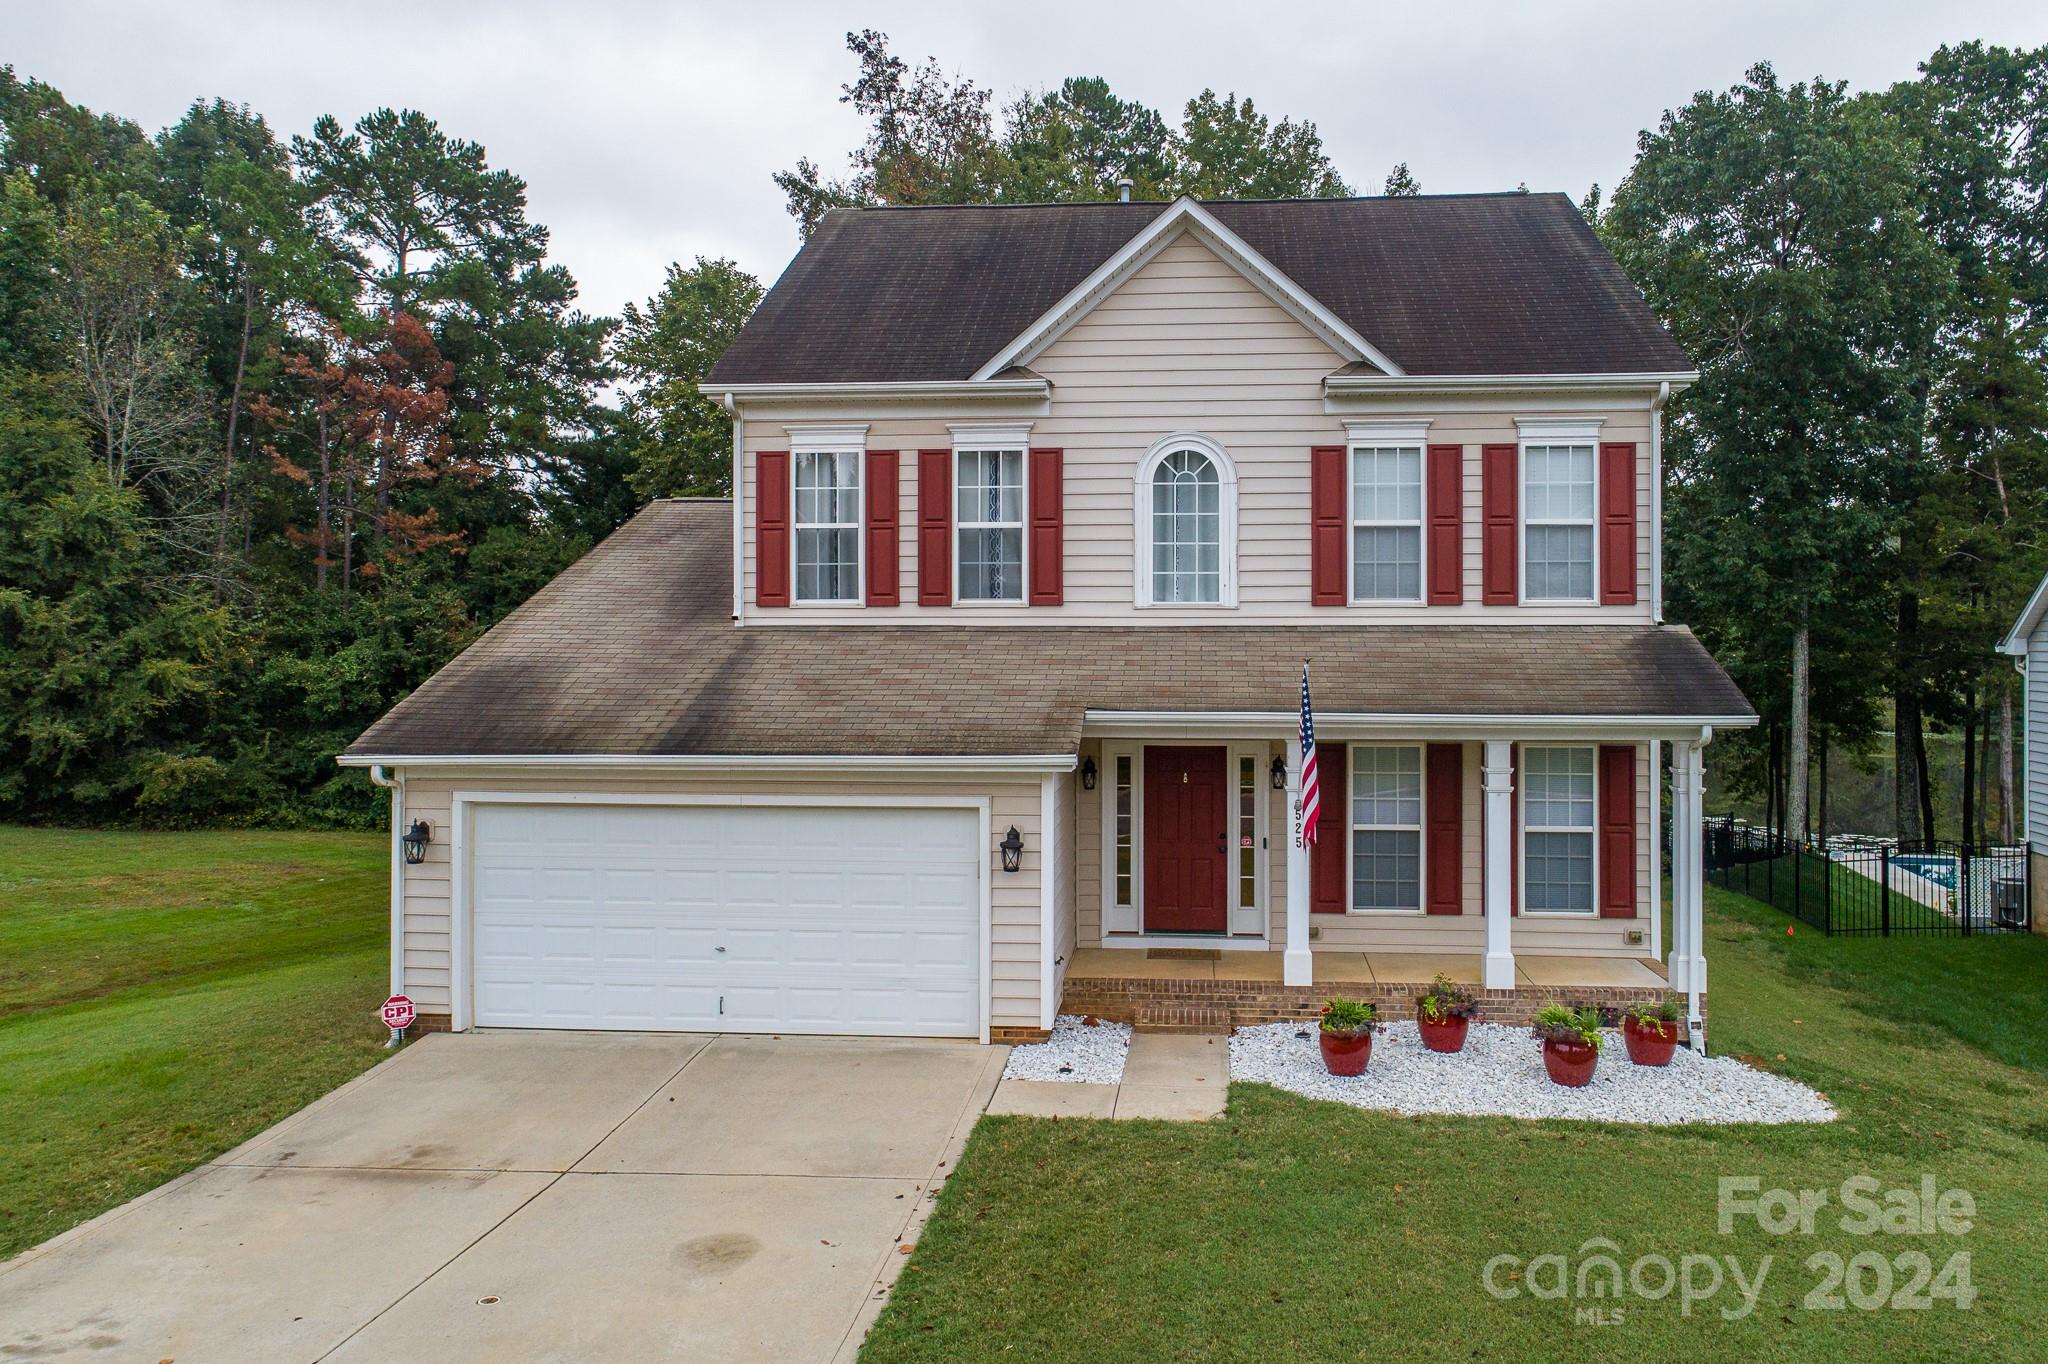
(1311,796)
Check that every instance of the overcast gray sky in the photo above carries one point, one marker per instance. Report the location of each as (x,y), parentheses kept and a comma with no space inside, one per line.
(647,131)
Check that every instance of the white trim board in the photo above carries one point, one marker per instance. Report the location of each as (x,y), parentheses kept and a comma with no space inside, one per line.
(1341,725)
(738,764)
(1184,216)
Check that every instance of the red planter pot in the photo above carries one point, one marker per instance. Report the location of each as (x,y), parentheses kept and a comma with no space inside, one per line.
(1569,1063)
(1445,1034)
(1651,1045)
(1345,1053)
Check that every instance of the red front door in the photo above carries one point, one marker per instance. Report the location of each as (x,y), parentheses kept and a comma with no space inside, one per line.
(1186,867)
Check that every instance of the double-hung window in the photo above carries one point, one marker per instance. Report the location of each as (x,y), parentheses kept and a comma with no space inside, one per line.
(1386,828)
(1386,522)
(828,525)
(1557,487)
(1557,830)
(989,523)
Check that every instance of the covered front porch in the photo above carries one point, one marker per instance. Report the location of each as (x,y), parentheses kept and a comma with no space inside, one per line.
(1517,855)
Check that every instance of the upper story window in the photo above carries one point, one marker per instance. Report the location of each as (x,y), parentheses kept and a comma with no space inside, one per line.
(1187,524)
(1386,510)
(1557,829)
(827,506)
(1559,506)
(989,524)
(1386,827)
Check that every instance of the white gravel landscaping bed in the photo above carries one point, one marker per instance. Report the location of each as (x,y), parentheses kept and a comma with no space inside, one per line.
(1075,1052)
(1500,1071)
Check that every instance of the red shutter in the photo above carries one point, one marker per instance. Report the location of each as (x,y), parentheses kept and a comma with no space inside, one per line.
(1326,510)
(771,528)
(1446,525)
(1617,831)
(1327,893)
(1498,498)
(885,563)
(1047,509)
(1514,829)
(1618,524)
(935,528)
(1444,856)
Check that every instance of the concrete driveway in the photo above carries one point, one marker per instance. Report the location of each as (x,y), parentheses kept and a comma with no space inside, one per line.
(533,1196)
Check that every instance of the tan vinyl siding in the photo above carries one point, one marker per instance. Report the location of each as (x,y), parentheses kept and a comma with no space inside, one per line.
(1014,901)
(1189,345)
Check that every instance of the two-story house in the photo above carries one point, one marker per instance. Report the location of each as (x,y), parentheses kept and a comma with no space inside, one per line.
(981,698)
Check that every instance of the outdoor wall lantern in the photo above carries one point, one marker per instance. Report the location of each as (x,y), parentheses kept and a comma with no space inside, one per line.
(1013,849)
(1279,773)
(1087,774)
(416,840)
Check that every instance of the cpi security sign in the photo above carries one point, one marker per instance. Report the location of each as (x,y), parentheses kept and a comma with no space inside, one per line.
(397,1013)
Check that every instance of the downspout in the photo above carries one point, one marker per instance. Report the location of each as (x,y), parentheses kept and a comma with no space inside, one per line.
(396,785)
(739,461)
(1657,501)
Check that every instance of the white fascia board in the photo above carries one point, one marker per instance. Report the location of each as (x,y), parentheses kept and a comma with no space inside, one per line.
(2015,642)
(735,763)
(919,390)
(1338,725)
(1184,215)
(1335,385)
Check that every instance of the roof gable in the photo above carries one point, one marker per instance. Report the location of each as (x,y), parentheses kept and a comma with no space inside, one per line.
(2031,615)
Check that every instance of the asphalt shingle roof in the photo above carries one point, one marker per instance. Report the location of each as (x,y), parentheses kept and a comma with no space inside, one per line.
(632,651)
(1443,285)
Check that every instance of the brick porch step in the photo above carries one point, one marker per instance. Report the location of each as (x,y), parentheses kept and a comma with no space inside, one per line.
(1182,1016)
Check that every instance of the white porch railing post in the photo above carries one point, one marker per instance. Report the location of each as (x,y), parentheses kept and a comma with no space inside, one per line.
(1688,877)
(1500,859)
(1297,964)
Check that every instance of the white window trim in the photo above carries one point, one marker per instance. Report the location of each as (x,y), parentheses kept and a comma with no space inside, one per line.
(1421,833)
(1550,431)
(1118,918)
(850,441)
(1523,829)
(995,440)
(1256,916)
(1386,436)
(1226,478)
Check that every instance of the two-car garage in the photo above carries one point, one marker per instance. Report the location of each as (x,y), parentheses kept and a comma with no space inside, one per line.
(613,913)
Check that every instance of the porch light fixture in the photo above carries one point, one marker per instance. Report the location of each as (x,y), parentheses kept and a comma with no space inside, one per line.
(1088,774)
(415,841)
(1279,773)
(1013,849)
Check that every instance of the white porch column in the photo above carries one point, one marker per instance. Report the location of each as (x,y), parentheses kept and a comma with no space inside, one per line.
(1297,964)
(1688,963)
(1500,858)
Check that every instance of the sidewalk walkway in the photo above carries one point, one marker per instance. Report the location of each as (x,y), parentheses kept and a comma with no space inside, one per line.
(1175,1078)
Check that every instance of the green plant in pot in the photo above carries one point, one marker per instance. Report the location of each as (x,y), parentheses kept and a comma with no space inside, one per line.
(1445,1014)
(1346,1035)
(1571,1042)
(1650,1030)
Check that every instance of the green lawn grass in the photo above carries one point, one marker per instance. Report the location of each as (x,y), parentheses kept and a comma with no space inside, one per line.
(164,997)
(1296,1230)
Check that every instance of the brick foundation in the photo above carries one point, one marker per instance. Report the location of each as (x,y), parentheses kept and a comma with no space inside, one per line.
(422,1024)
(1015,1037)
(1218,1005)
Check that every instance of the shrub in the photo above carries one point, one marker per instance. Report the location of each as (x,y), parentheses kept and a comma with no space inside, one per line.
(1447,999)
(1557,1023)
(1349,1016)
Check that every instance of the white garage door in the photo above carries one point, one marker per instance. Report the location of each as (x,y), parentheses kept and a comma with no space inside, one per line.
(727,918)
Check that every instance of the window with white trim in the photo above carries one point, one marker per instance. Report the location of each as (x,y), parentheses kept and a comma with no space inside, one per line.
(1386,522)
(1557,521)
(1386,828)
(1557,830)
(1187,529)
(989,521)
(827,525)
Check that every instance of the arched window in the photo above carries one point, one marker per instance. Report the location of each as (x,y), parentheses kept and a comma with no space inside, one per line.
(1187,524)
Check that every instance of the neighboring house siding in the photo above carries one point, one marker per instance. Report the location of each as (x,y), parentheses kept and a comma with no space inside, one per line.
(1187,344)
(2036,739)
(1014,901)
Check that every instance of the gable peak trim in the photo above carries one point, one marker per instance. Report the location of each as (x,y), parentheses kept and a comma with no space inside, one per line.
(1185,216)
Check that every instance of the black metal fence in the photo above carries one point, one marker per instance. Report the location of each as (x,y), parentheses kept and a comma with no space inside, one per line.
(1871,887)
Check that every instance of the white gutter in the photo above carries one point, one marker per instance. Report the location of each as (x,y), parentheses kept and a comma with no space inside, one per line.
(739,511)
(1336,384)
(396,784)
(1657,502)
(1341,725)
(734,762)
(934,390)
